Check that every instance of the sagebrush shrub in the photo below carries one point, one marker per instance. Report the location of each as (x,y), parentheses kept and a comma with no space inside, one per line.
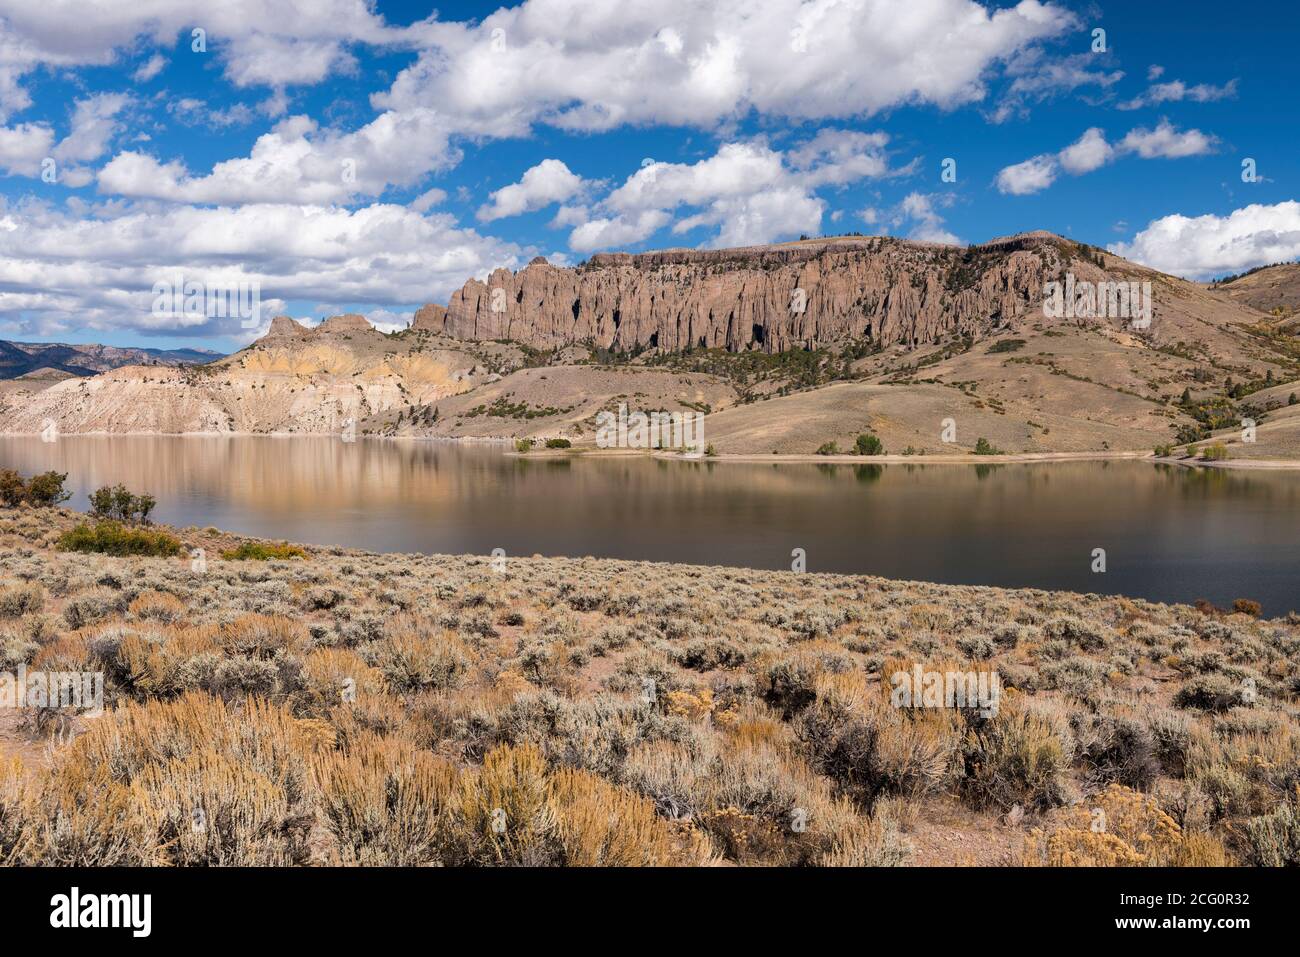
(1016,757)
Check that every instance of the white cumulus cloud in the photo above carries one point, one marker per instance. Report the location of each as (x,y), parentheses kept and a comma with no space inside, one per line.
(1166,142)
(94,123)
(23,146)
(59,270)
(258,42)
(550,181)
(1034,174)
(591,65)
(296,162)
(1091,151)
(751,192)
(604,232)
(1200,247)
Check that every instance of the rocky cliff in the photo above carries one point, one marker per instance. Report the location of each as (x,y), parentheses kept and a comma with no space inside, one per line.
(966,335)
(772,298)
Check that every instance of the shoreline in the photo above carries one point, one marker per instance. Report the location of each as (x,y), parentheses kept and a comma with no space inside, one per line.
(213,540)
(749,458)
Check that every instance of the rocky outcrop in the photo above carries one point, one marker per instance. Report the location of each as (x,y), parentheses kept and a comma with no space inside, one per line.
(430,318)
(771,298)
(349,323)
(283,327)
(883,291)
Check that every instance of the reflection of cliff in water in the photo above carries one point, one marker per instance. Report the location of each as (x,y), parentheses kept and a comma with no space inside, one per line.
(1169,533)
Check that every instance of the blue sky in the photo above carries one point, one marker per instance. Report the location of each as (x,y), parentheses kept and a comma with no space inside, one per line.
(346,156)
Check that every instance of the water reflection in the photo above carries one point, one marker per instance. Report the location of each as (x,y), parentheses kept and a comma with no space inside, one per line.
(1170,533)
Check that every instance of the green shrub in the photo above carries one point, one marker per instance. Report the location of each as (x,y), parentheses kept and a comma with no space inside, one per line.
(262,551)
(828,448)
(984,447)
(1116,749)
(46,489)
(1211,693)
(1274,839)
(101,502)
(1217,452)
(1077,675)
(1006,345)
(558,444)
(524,445)
(868,444)
(871,752)
(1016,758)
(112,538)
(88,608)
(19,600)
(42,490)
(1164,451)
(1171,738)
(119,503)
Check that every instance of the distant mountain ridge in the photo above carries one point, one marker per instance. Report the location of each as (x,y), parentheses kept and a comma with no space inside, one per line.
(18,359)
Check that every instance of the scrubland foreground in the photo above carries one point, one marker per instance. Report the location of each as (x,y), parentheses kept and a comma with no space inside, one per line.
(349,708)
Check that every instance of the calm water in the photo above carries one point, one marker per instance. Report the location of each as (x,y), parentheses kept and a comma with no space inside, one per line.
(1170,534)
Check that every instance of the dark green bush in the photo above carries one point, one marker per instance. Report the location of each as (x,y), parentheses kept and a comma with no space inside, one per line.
(46,489)
(42,490)
(558,443)
(1007,345)
(121,504)
(868,444)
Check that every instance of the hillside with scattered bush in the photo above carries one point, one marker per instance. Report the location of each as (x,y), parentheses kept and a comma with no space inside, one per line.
(269,705)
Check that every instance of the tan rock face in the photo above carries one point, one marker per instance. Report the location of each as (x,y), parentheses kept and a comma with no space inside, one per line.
(284,327)
(347,323)
(430,318)
(771,298)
